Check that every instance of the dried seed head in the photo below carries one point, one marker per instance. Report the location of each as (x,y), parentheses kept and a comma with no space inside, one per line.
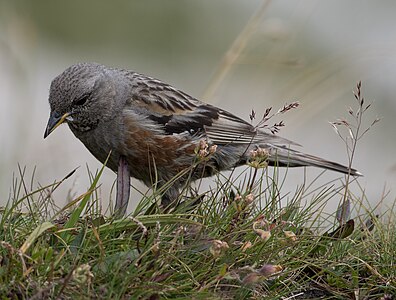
(203,150)
(269,270)
(218,247)
(262,153)
(261,274)
(203,153)
(252,154)
(252,278)
(264,234)
(290,235)
(238,197)
(82,274)
(288,107)
(203,145)
(212,149)
(258,158)
(252,115)
(249,198)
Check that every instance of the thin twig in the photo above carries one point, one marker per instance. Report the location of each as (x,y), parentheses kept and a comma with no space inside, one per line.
(235,51)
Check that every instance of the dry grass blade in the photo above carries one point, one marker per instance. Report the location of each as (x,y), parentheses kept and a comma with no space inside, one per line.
(235,51)
(39,230)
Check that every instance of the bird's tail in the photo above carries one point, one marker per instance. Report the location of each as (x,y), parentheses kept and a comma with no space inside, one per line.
(285,157)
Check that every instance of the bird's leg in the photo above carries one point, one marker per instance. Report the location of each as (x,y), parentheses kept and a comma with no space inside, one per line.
(123,188)
(165,201)
(170,198)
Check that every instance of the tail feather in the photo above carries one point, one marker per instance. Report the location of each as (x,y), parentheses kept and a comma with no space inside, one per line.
(283,156)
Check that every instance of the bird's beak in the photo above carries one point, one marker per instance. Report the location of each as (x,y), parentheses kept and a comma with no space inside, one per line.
(54,121)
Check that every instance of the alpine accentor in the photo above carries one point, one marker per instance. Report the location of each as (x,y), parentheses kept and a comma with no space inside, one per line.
(153,130)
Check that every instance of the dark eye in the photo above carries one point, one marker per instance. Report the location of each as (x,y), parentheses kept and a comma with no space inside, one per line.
(82,100)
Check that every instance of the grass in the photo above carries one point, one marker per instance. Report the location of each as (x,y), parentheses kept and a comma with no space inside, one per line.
(244,238)
(234,244)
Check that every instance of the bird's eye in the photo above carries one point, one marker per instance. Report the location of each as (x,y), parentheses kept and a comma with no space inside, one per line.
(82,100)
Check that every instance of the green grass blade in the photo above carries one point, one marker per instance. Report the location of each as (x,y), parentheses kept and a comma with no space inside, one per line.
(39,230)
(80,208)
(148,221)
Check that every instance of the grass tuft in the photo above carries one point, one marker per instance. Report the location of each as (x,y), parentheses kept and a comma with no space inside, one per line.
(236,243)
(243,238)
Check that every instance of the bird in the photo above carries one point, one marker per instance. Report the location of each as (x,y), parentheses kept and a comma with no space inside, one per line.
(149,130)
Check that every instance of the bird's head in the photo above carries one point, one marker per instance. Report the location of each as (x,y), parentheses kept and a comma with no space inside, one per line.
(83,95)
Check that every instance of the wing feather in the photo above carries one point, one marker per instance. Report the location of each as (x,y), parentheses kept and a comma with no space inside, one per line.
(177,112)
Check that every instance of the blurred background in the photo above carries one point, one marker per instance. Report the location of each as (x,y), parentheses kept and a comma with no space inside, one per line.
(240,55)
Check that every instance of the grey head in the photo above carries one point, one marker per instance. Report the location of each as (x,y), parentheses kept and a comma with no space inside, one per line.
(84,95)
